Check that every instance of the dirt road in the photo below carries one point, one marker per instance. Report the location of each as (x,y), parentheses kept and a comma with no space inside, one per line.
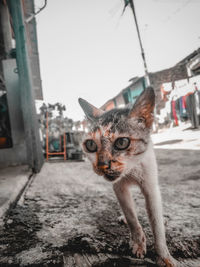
(68,217)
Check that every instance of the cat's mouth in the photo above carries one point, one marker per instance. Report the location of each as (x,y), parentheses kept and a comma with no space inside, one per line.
(111,177)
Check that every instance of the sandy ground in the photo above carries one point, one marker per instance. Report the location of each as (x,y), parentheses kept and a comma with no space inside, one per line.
(68,215)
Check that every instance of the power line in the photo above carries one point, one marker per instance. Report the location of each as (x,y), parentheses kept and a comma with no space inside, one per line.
(131,3)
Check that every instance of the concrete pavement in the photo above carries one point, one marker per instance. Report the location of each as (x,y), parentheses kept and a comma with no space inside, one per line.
(181,137)
(69,214)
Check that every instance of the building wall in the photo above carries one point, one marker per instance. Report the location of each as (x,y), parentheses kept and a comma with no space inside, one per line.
(17,153)
(177,72)
(126,95)
(193,66)
(28,7)
(110,105)
(130,94)
(136,89)
(119,100)
(18,75)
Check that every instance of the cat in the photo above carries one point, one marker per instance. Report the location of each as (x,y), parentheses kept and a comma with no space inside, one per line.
(120,149)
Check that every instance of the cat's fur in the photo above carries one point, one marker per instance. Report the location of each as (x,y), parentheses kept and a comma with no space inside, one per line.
(134,165)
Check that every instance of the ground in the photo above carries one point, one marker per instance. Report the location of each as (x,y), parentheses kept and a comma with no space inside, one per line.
(67,216)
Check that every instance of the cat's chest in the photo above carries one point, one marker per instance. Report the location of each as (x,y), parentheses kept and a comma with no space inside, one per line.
(134,174)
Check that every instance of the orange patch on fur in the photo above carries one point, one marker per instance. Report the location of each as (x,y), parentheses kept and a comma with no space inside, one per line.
(117,165)
(168,263)
(97,112)
(107,133)
(103,167)
(105,156)
(146,112)
(94,135)
(112,136)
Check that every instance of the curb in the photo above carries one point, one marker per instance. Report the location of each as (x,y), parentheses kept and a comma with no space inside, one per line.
(11,190)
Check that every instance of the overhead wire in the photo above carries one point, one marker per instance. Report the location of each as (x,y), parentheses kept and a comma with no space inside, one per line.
(41,8)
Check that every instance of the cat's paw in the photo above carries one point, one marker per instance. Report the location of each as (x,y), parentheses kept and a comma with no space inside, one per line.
(139,250)
(122,220)
(166,261)
(139,245)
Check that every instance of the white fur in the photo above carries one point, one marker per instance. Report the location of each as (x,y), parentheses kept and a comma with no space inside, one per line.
(143,172)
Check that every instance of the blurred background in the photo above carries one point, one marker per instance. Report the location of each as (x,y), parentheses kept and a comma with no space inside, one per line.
(106,52)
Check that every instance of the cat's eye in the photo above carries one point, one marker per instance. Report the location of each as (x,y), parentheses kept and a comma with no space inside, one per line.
(141,120)
(90,145)
(122,143)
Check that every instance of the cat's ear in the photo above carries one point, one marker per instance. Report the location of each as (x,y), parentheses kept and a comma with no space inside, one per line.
(90,111)
(144,107)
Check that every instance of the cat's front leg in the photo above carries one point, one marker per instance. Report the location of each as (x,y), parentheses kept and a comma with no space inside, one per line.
(138,239)
(152,195)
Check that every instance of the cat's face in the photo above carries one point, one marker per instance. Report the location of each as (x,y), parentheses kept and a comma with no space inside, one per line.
(118,136)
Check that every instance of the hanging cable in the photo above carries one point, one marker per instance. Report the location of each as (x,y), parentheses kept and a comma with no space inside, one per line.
(43,7)
(36,13)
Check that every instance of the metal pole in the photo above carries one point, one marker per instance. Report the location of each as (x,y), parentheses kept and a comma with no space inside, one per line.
(47,137)
(65,150)
(143,57)
(141,46)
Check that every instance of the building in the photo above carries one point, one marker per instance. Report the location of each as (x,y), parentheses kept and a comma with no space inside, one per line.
(127,95)
(184,69)
(193,63)
(178,72)
(20,85)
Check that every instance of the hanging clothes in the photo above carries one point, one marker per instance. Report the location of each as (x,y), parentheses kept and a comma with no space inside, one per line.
(196,95)
(182,109)
(173,113)
(197,99)
(192,111)
(184,102)
(166,88)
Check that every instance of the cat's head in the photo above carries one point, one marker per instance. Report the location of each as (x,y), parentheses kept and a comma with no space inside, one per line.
(118,136)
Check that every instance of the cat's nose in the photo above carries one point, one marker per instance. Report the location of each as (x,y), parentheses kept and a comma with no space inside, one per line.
(103,165)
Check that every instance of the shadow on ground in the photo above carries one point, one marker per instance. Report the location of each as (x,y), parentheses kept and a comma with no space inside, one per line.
(68,217)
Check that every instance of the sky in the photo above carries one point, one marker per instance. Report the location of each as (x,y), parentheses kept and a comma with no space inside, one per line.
(88,49)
